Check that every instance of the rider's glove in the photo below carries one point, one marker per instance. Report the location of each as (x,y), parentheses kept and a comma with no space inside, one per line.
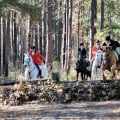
(44,61)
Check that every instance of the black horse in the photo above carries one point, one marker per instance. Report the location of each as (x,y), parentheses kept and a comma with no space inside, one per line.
(82,67)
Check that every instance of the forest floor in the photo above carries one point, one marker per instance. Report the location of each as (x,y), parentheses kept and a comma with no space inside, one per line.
(108,110)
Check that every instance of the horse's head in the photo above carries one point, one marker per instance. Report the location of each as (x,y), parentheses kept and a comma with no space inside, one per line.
(106,55)
(27,60)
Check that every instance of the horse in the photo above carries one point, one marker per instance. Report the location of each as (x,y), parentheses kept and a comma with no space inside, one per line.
(31,70)
(96,72)
(109,62)
(82,67)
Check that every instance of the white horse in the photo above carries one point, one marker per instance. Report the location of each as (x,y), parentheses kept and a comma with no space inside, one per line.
(31,70)
(96,73)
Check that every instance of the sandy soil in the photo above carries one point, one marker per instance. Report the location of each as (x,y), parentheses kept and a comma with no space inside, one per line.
(109,110)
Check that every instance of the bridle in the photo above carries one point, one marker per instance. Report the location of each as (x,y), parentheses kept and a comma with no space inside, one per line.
(28,63)
(108,59)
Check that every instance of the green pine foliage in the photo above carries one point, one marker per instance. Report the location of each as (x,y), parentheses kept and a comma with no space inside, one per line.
(27,7)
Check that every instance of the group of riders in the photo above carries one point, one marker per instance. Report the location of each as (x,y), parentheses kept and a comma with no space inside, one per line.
(108,42)
(38,58)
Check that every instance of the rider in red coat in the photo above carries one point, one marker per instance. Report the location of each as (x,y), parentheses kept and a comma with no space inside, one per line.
(36,56)
(95,48)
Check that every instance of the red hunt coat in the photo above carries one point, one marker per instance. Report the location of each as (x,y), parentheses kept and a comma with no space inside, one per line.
(37,57)
(94,49)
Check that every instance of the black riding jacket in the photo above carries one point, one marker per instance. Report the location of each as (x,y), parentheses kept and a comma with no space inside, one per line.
(114,44)
(82,51)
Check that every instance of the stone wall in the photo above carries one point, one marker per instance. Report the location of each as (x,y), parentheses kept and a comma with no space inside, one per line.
(62,92)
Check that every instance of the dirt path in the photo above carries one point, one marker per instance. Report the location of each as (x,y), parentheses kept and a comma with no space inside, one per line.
(109,110)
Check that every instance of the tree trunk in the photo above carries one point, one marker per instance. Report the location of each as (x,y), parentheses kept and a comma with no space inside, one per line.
(27,24)
(70,35)
(4,37)
(95,9)
(40,38)
(60,26)
(78,24)
(44,28)
(36,36)
(49,36)
(67,45)
(7,45)
(102,15)
(56,41)
(91,28)
(15,41)
(0,47)
(64,38)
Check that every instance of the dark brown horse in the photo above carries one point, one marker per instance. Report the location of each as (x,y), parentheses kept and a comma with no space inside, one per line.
(82,67)
(109,62)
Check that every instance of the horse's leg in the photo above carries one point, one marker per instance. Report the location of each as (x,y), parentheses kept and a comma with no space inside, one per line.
(113,71)
(26,75)
(104,77)
(82,75)
(117,73)
(100,74)
(77,75)
(93,72)
(34,74)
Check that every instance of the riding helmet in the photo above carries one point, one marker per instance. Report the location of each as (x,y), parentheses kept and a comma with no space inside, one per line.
(107,38)
(97,41)
(33,47)
(81,44)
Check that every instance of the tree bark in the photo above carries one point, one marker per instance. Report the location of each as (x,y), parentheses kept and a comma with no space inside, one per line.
(60,26)
(49,36)
(15,41)
(4,37)
(0,46)
(56,41)
(91,28)
(102,15)
(44,28)
(66,47)
(36,36)
(70,35)
(78,24)
(7,45)
(64,38)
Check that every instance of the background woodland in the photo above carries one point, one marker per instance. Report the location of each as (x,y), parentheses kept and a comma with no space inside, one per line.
(56,28)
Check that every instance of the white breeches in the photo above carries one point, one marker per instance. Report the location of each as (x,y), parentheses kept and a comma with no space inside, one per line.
(44,71)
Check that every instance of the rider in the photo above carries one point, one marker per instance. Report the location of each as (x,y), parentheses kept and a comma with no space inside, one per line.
(82,51)
(95,48)
(37,57)
(111,43)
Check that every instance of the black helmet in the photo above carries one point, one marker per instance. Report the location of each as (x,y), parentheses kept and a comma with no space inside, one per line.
(33,47)
(107,38)
(97,41)
(81,44)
